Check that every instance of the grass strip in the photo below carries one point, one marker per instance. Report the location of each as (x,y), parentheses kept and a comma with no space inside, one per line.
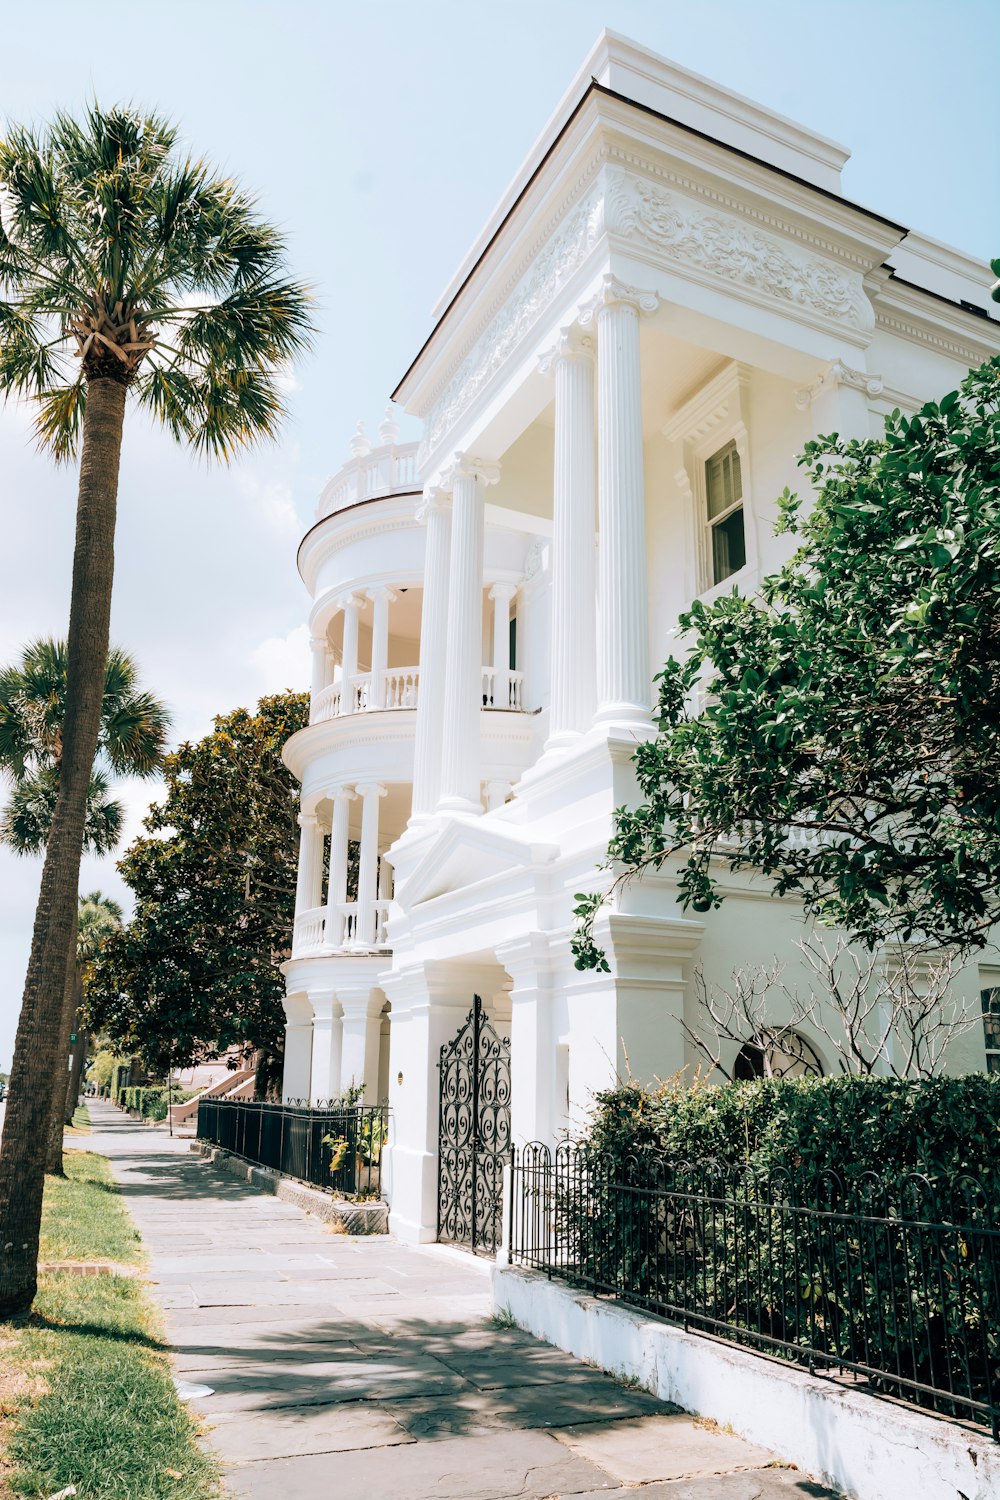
(81,1118)
(86,1396)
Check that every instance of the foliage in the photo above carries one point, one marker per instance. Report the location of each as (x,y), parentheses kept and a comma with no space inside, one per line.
(120,259)
(940,1127)
(133,733)
(106,1417)
(195,971)
(849,751)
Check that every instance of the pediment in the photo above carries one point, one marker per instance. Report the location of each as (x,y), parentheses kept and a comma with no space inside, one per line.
(467,851)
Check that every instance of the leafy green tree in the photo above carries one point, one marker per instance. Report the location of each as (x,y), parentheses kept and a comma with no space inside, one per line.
(125,270)
(195,970)
(848,748)
(132,735)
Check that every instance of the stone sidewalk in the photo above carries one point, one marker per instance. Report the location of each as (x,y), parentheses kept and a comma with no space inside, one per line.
(368,1370)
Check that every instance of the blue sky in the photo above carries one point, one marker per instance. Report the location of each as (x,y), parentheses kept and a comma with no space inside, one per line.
(380,135)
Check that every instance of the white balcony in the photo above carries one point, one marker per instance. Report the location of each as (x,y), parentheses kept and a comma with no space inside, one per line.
(388,470)
(399,688)
(317,932)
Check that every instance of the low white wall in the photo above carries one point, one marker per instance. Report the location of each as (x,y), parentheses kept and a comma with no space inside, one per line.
(873,1450)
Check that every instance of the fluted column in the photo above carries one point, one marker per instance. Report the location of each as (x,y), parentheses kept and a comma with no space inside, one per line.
(501,595)
(349,655)
(336,890)
(310,866)
(319,649)
(370,795)
(435,513)
(624,687)
(382,598)
(574,557)
(463,692)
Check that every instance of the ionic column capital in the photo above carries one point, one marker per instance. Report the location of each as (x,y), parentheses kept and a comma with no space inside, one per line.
(467,466)
(383,591)
(371,789)
(615,293)
(307,820)
(318,643)
(341,794)
(350,601)
(503,591)
(571,344)
(436,501)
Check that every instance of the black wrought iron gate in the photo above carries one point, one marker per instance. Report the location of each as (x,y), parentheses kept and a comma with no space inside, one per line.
(474,1133)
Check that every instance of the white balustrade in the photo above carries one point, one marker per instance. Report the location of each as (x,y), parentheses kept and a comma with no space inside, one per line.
(383,471)
(312,934)
(325,704)
(400,688)
(515,690)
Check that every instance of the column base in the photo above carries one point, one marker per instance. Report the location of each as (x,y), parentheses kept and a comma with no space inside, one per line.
(637,715)
(460,805)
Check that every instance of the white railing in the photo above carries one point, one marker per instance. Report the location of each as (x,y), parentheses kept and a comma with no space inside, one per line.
(493,692)
(315,932)
(384,471)
(400,688)
(326,705)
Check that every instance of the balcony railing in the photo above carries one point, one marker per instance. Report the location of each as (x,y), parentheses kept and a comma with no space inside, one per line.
(345,930)
(384,471)
(399,688)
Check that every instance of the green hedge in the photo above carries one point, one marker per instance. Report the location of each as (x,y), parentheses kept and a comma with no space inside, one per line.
(150,1101)
(940,1127)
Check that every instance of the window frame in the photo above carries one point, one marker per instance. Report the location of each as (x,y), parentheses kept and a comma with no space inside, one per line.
(706,423)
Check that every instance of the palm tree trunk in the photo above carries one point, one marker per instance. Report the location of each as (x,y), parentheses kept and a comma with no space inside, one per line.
(25,1135)
(79,1059)
(54,1157)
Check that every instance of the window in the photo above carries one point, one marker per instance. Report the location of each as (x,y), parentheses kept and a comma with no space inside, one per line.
(792,1057)
(990,1000)
(724,491)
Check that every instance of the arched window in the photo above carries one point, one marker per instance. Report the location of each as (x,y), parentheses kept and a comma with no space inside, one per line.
(792,1057)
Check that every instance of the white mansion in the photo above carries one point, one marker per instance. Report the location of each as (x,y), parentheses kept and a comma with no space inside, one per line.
(671,297)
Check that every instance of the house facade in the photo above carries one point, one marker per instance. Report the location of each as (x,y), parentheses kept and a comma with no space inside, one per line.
(672,297)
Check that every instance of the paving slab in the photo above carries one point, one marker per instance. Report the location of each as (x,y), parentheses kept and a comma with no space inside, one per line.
(371,1369)
(662,1447)
(529,1465)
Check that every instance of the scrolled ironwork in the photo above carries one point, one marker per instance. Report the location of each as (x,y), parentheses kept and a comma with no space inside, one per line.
(473,1133)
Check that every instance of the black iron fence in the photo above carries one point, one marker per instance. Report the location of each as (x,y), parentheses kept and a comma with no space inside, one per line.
(332,1145)
(891,1286)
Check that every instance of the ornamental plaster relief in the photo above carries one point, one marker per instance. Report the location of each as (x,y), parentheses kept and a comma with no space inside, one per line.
(726,246)
(708,239)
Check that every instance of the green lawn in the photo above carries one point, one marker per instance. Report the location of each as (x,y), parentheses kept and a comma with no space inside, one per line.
(81,1118)
(86,1396)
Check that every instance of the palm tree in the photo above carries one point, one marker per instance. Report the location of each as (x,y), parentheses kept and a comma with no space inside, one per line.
(97,918)
(131,741)
(125,271)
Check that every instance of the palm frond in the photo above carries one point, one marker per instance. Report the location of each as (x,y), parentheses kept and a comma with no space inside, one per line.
(27,819)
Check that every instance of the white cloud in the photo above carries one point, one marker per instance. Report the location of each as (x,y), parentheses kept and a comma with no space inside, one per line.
(272,505)
(283,661)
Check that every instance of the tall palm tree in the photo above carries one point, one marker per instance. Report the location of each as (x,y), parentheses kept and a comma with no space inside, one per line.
(126,271)
(131,740)
(97,918)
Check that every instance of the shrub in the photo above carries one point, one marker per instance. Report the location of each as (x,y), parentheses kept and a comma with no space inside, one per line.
(940,1127)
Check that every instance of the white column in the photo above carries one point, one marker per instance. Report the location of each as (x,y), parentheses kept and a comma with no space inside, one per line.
(370,795)
(297,1071)
(362,1011)
(349,655)
(310,863)
(501,594)
(574,554)
(336,890)
(463,692)
(319,648)
(624,687)
(382,598)
(327,1040)
(436,514)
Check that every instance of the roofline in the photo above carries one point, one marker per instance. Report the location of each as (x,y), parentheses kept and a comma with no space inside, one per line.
(356,505)
(600,88)
(971,309)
